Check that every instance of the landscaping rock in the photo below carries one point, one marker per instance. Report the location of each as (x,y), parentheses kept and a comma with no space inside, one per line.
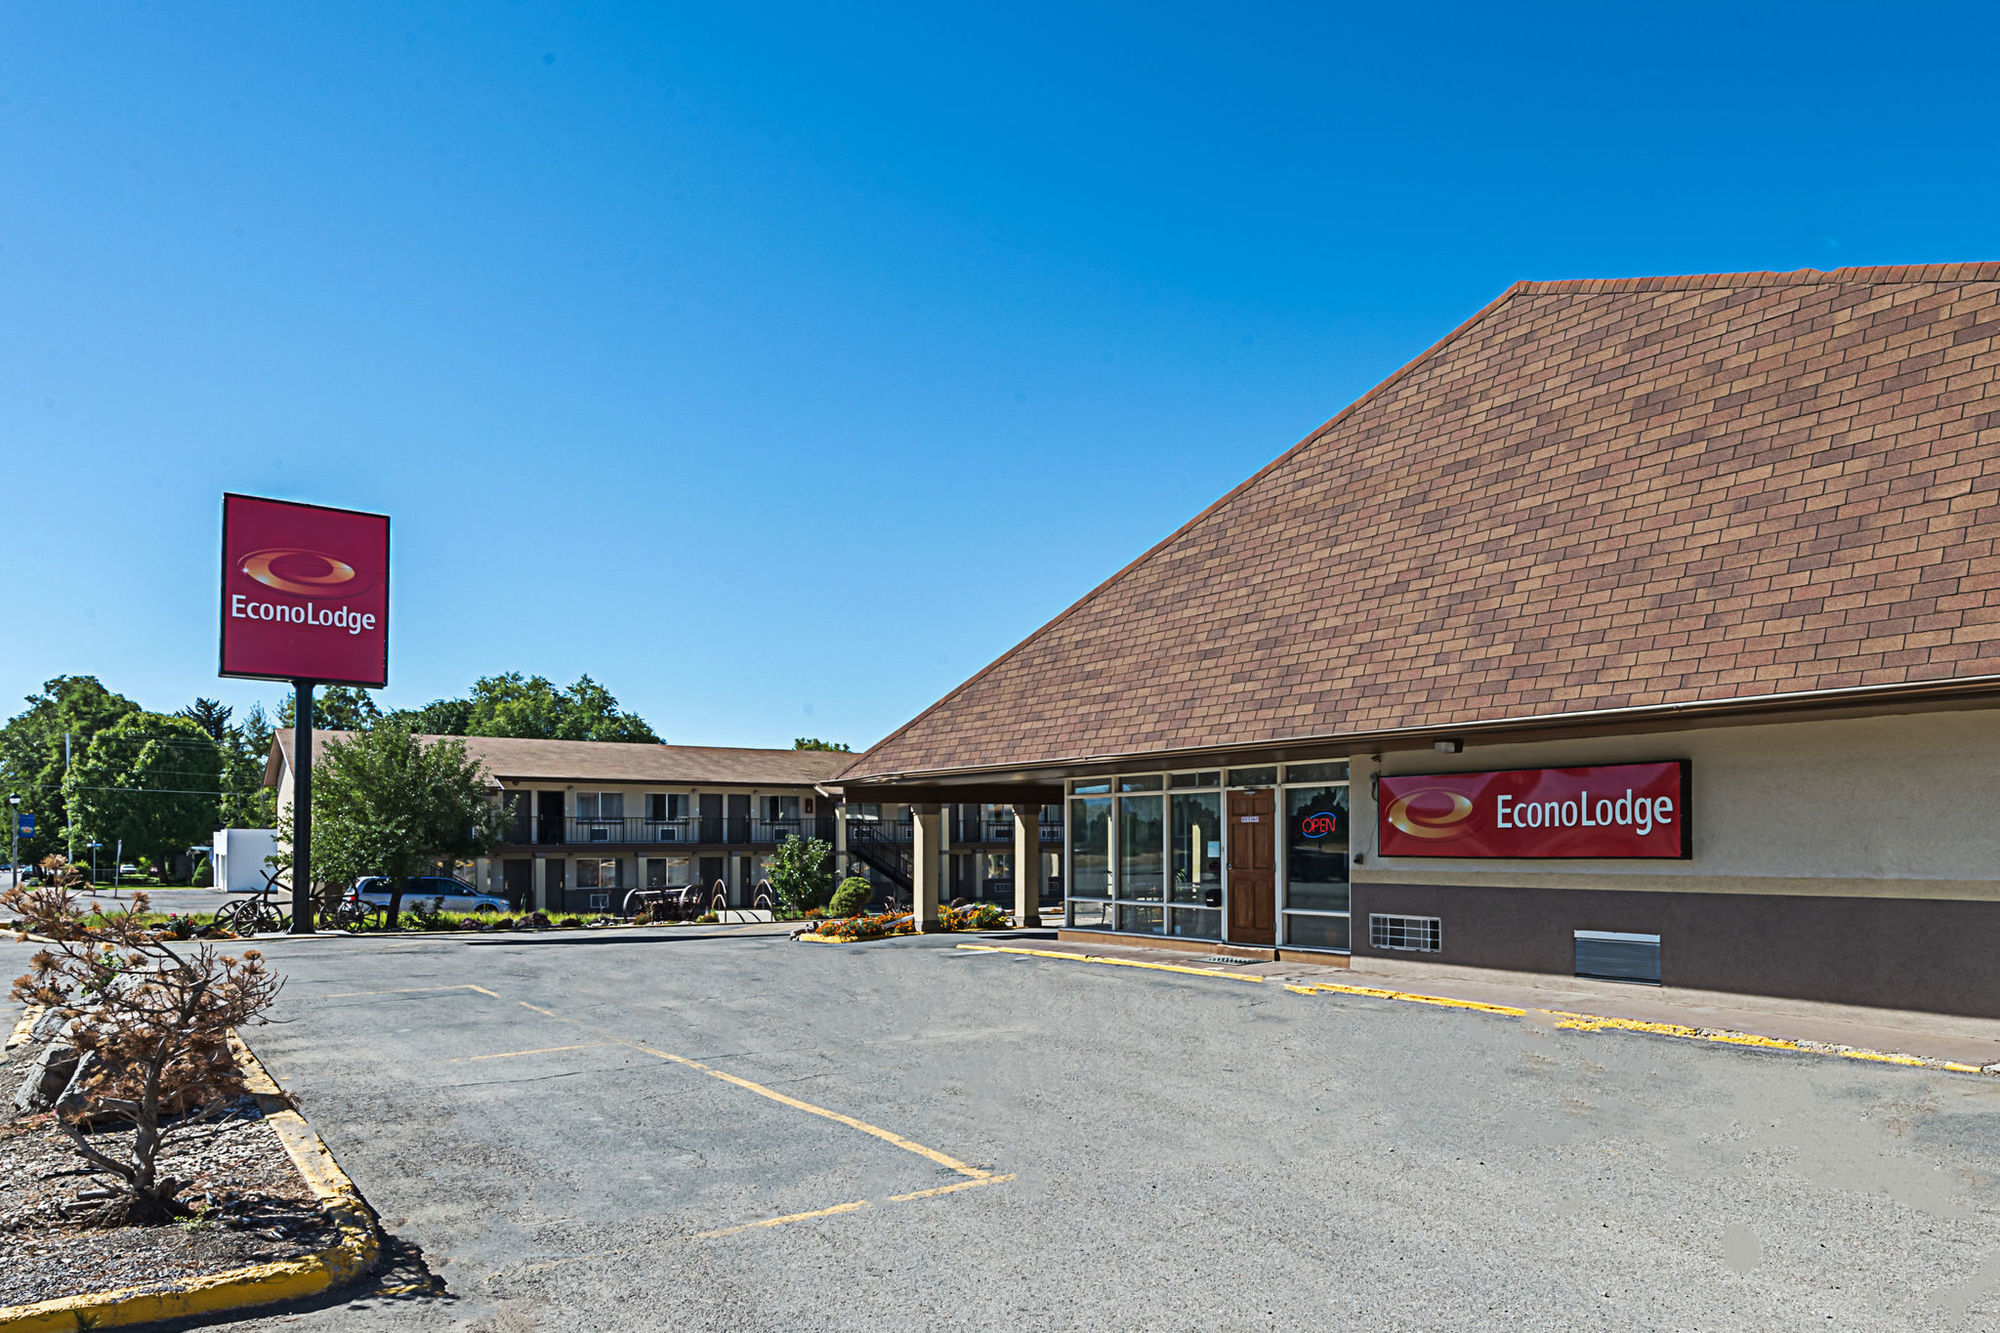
(70,1100)
(49,1075)
(49,1026)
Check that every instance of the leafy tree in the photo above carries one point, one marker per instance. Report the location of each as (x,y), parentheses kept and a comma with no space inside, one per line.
(439,717)
(31,752)
(385,803)
(533,706)
(801,870)
(150,781)
(815,743)
(337,708)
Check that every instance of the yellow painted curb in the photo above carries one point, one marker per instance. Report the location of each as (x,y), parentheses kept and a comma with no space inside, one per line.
(26,1025)
(1114,962)
(353,1253)
(1565,1019)
(1598,1023)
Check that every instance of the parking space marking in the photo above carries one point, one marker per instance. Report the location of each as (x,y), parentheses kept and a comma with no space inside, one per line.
(539,1050)
(404,990)
(944,1160)
(834,1211)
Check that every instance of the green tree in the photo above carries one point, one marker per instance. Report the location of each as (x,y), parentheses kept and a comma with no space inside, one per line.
(337,708)
(533,706)
(246,801)
(439,717)
(149,781)
(815,743)
(386,803)
(212,716)
(801,871)
(31,752)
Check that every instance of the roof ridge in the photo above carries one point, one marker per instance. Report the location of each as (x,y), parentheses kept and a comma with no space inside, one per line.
(1982,271)
(1168,540)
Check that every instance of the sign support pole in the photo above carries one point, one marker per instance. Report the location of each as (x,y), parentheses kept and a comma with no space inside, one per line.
(302,768)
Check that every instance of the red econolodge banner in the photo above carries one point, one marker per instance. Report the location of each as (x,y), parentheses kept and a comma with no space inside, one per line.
(1623,810)
(305,592)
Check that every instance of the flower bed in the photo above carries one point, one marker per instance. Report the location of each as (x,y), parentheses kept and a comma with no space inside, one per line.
(975,916)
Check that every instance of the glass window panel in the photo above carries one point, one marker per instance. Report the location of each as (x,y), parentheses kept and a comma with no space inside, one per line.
(1316,828)
(1253,777)
(1212,778)
(1141,847)
(1197,923)
(1316,772)
(1090,916)
(586,805)
(1139,784)
(1197,849)
(586,874)
(1316,932)
(1142,920)
(1089,788)
(1090,847)
(611,805)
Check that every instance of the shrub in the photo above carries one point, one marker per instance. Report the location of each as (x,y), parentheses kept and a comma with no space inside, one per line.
(801,871)
(204,874)
(153,1026)
(706,919)
(851,897)
(974,916)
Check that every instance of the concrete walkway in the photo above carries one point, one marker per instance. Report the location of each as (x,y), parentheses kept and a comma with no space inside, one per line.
(1969,1041)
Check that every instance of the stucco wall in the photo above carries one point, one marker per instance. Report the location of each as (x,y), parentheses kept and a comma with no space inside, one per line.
(1905,807)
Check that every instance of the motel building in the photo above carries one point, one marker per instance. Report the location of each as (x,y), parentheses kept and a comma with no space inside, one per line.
(1642,629)
(593,820)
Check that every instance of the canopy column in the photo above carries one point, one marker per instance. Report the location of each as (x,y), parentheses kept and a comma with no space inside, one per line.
(1027,865)
(926,865)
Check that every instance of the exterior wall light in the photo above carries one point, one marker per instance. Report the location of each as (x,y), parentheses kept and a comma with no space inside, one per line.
(1450,746)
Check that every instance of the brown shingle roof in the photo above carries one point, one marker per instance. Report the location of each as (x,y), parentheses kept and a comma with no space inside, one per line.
(1591,495)
(510,758)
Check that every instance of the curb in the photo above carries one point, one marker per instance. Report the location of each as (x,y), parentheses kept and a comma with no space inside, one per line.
(29,1018)
(1564,1018)
(354,1253)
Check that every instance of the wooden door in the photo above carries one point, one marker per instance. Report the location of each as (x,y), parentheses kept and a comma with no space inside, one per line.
(1253,887)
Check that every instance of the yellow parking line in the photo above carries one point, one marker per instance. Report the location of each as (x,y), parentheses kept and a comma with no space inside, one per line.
(1408,998)
(1114,962)
(950,1189)
(838,1208)
(539,1050)
(887,1136)
(403,990)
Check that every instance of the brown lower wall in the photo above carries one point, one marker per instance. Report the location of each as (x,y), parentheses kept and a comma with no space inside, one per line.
(1899,953)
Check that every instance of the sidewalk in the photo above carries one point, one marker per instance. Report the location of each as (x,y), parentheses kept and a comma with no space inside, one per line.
(1965,1041)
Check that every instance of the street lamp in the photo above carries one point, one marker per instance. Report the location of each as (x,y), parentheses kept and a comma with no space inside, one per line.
(93,863)
(14,840)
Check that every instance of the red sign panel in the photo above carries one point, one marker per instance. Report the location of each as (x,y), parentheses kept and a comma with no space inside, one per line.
(305,592)
(1623,811)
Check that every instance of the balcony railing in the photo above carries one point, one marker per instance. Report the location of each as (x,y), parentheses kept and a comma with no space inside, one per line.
(712,830)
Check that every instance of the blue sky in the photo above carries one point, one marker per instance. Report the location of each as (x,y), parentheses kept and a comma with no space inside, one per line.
(781,366)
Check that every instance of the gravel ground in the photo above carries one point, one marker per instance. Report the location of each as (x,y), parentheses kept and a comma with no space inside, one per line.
(258,1207)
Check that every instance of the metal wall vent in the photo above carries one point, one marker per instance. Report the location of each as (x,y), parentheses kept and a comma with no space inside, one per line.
(1614,955)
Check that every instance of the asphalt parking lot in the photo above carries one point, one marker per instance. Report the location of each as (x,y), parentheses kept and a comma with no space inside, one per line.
(734,1131)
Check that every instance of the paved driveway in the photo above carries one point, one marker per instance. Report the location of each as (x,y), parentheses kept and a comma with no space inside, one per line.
(654,1130)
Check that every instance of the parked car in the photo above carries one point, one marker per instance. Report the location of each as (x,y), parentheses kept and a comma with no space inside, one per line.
(451,895)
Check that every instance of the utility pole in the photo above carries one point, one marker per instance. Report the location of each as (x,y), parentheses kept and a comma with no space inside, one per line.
(68,825)
(14,839)
(302,770)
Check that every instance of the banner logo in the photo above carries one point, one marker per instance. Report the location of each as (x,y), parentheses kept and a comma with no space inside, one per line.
(1419,824)
(306,573)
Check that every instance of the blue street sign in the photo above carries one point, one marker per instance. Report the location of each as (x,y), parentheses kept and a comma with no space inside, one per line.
(27,825)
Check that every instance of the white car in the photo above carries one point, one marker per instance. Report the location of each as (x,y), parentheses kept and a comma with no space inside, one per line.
(451,895)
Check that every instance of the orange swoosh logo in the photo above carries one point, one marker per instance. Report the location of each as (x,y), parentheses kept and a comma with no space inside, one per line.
(304,572)
(1444,825)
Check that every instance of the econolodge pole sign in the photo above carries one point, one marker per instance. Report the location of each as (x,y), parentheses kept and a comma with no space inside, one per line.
(1616,811)
(305,598)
